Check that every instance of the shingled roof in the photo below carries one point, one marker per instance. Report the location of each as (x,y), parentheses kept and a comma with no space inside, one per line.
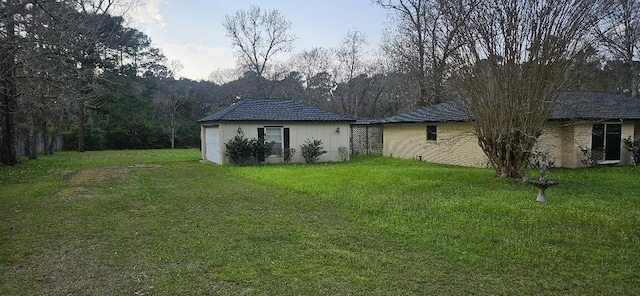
(272,110)
(591,105)
(570,106)
(443,112)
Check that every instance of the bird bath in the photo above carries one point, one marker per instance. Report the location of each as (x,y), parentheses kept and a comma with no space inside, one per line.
(542,184)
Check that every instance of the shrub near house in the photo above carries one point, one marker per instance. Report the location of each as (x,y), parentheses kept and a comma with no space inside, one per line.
(634,149)
(240,149)
(311,150)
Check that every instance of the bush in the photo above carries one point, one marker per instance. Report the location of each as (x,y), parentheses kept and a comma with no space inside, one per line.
(344,153)
(260,149)
(287,154)
(542,161)
(634,148)
(94,138)
(238,149)
(591,157)
(311,150)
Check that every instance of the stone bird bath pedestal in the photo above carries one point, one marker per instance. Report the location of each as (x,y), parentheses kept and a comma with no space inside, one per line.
(542,184)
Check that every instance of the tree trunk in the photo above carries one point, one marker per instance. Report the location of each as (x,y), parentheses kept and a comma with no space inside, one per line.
(52,144)
(32,141)
(8,106)
(8,95)
(508,155)
(174,124)
(172,137)
(81,120)
(47,140)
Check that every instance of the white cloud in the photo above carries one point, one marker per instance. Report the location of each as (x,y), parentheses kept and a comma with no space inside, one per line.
(146,13)
(198,60)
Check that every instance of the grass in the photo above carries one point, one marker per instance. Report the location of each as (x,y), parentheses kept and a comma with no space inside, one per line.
(160,222)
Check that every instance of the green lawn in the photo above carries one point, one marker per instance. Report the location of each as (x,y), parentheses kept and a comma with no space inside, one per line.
(159,222)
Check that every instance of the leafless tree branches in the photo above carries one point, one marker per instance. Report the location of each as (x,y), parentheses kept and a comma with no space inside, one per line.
(423,40)
(257,36)
(619,31)
(512,66)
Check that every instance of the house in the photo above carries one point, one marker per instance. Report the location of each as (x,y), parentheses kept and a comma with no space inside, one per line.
(580,123)
(287,123)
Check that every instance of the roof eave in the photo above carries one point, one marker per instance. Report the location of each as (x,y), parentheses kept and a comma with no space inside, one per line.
(269,120)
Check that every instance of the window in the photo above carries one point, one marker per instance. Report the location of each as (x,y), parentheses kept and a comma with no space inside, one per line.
(606,138)
(432,133)
(274,134)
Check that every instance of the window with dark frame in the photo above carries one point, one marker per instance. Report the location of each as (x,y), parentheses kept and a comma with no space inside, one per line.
(432,133)
(606,139)
(274,134)
(280,136)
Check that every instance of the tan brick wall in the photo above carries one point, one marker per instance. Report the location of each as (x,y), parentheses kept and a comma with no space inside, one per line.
(628,130)
(551,141)
(456,144)
(582,139)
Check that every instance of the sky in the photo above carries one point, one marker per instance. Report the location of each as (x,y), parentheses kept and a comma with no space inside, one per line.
(191,31)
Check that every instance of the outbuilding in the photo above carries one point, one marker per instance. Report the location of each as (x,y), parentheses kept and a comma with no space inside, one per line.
(286,123)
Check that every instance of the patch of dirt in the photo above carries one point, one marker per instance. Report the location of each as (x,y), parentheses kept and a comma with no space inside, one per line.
(97,175)
(80,181)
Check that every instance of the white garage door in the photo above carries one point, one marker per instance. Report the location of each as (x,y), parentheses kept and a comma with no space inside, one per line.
(212,135)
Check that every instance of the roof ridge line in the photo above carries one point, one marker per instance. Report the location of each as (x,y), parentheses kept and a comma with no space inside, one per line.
(232,107)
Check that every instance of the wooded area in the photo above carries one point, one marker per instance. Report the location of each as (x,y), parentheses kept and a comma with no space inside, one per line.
(73,67)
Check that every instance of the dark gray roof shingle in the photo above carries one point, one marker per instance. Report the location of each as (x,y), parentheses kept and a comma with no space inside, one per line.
(446,111)
(592,105)
(369,121)
(570,106)
(272,110)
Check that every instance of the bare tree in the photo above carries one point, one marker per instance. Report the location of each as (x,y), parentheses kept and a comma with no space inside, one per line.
(222,76)
(175,67)
(351,64)
(310,63)
(257,36)
(422,42)
(350,55)
(512,66)
(168,101)
(620,33)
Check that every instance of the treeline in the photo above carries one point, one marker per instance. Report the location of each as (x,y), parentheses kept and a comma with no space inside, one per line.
(73,68)
(74,76)
(64,62)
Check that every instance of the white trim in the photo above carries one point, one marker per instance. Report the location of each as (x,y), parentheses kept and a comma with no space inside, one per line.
(281,142)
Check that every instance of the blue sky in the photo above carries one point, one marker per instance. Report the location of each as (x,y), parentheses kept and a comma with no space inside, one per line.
(191,31)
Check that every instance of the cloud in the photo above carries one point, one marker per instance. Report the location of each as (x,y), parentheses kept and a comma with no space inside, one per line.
(199,60)
(147,13)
